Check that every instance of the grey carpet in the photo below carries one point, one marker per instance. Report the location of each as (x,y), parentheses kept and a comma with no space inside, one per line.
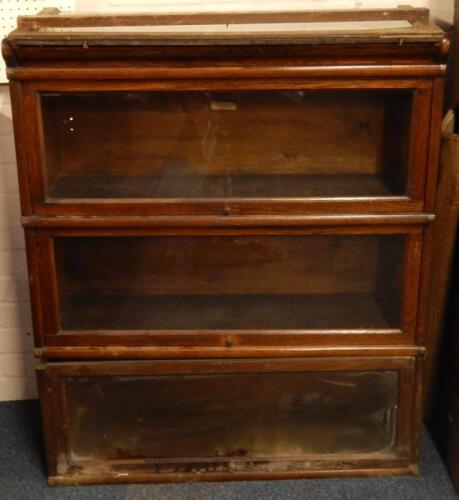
(22,475)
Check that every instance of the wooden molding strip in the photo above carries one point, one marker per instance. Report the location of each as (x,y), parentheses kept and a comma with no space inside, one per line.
(187,73)
(152,352)
(227,221)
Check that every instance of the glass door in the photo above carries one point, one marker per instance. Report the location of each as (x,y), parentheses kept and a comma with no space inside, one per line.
(143,288)
(237,152)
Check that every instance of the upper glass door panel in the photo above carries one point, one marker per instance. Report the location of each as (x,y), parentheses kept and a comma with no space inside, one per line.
(263,144)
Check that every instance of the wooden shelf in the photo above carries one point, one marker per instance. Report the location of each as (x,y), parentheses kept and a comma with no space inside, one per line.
(94,311)
(172,185)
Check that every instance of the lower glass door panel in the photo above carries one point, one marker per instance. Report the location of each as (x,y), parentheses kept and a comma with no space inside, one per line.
(265,416)
(326,282)
(235,415)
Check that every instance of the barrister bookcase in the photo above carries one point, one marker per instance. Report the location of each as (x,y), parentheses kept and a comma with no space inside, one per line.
(228,226)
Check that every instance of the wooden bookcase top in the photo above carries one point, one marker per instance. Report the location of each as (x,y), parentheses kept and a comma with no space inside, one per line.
(400,25)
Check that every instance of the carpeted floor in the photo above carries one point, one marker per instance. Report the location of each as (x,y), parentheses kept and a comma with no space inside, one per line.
(22,475)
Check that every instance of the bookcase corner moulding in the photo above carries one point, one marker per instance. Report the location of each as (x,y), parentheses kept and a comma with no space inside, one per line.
(228,221)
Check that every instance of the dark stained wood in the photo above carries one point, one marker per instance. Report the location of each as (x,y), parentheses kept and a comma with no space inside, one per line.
(435,141)
(245,210)
(453,98)
(424,291)
(416,424)
(21,139)
(228,72)
(447,410)
(445,231)
(411,281)
(33,265)
(355,347)
(418,137)
(358,222)
(48,414)
(224,55)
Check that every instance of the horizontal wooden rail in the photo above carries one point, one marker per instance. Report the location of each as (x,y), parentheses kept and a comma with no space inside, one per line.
(145,352)
(227,221)
(238,72)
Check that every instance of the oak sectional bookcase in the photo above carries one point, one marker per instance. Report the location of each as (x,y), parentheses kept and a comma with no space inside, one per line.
(228,225)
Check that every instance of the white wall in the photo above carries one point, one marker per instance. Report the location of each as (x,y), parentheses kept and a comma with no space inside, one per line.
(16,360)
(442,10)
(208,5)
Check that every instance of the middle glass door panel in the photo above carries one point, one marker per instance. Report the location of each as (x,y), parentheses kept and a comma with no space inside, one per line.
(239,282)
